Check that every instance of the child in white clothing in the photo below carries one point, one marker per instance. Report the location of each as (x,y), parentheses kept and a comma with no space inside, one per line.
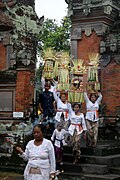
(58,137)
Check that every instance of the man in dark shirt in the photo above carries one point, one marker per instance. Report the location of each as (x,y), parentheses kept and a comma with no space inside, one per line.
(47,104)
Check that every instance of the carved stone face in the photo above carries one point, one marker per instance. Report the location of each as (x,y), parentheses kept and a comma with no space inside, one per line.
(9,2)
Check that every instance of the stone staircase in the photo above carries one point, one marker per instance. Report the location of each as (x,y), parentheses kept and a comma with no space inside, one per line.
(100,163)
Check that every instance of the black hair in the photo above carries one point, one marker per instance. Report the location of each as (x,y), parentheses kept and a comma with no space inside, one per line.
(62,93)
(40,126)
(76,103)
(47,84)
(93,95)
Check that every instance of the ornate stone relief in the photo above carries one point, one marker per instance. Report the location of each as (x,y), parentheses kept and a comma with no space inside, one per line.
(107,9)
(102,47)
(88,30)
(87,2)
(86,10)
(100,29)
(105,59)
(87,5)
(117,58)
(26,28)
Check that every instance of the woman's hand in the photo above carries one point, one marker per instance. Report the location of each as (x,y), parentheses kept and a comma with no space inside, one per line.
(52,175)
(19,149)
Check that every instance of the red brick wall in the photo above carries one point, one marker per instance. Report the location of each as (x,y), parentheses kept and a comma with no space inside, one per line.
(24,90)
(88,45)
(2,57)
(110,81)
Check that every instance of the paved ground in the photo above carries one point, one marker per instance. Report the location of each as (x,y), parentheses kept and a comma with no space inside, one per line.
(10,176)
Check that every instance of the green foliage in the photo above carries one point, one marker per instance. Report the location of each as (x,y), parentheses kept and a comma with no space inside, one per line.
(55,36)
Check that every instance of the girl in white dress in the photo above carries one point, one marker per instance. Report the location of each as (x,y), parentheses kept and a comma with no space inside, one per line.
(40,156)
(92,118)
(58,137)
(76,129)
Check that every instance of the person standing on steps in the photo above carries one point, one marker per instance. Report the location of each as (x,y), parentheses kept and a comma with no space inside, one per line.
(92,117)
(58,137)
(47,106)
(76,129)
(40,155)
(62,112)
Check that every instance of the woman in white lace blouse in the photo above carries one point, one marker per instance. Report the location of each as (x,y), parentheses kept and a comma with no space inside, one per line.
(76,129)
(40,156)
(62,112)
(92,117)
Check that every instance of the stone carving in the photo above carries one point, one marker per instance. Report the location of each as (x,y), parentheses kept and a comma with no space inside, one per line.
(113,46)
(107,9)
(86,2)
(88,30)
(117,58)
(86,5)
(27,27)
(102,47)
(86,10)
(105,59)
(13,132)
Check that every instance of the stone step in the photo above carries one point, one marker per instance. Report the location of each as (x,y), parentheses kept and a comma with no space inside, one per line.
(17,169)
(85,168)
(112,160)
(14,178)
(115,170)
(81,176)
(100,150)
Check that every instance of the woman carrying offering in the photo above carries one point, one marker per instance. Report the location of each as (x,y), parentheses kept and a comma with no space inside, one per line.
(76,129)
(92,117)
(62,112)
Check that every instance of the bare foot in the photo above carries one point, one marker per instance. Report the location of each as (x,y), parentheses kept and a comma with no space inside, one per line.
(75,162)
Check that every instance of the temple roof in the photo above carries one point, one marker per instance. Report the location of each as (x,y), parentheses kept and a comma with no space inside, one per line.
(5,22)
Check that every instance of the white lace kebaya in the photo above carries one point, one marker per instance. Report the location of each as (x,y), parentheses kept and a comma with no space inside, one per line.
(41,157)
